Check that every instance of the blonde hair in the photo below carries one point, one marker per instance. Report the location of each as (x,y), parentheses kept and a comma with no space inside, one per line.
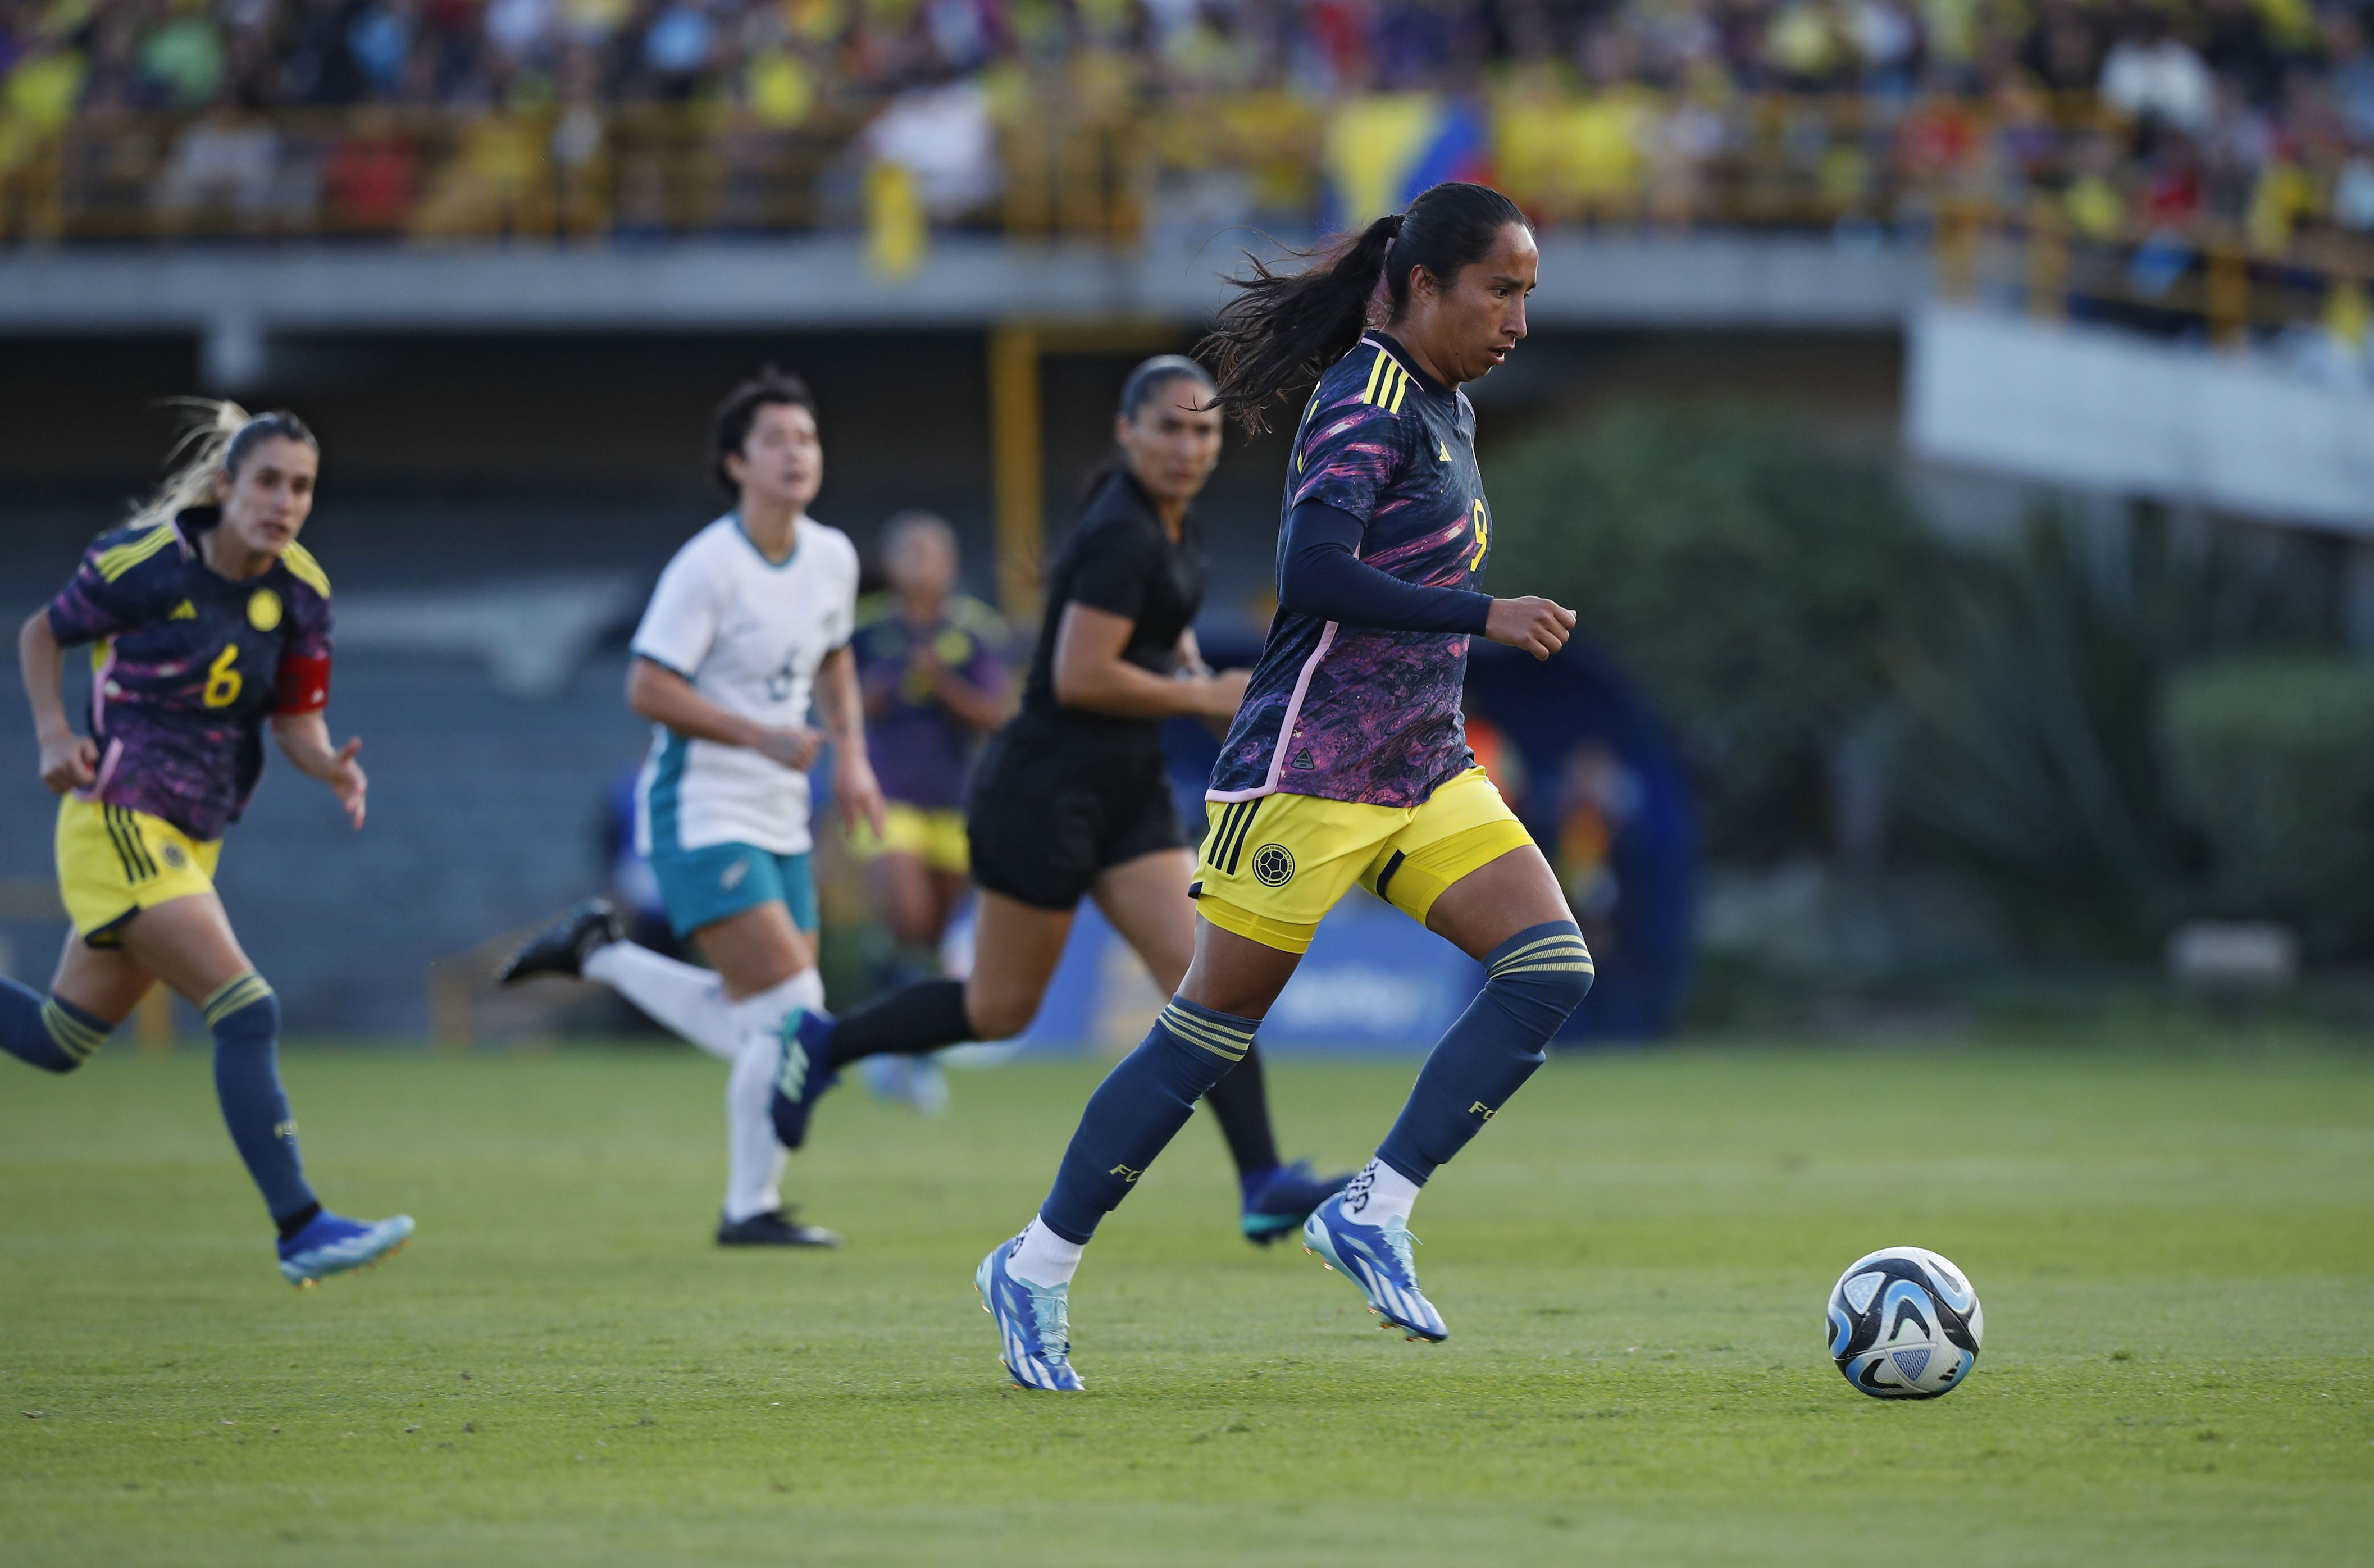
(217,434)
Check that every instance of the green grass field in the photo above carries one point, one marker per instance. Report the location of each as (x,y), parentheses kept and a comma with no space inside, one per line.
(2176,1253)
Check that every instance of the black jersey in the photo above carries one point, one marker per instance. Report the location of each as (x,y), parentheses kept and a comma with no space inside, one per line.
(1120,560)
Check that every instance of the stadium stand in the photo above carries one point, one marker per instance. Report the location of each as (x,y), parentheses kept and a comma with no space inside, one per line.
(442,118)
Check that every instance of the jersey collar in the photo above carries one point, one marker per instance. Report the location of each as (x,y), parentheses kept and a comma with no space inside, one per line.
(799,526)
(1407,361)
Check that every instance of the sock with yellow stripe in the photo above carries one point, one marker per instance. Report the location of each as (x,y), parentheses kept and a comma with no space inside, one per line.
(1532,982)
(1138,1109)
(245,1016)
(49,1031)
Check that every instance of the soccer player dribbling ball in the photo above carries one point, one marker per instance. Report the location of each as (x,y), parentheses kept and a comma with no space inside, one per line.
(751,619)
(212,624)
(1072,799)
(1347,761)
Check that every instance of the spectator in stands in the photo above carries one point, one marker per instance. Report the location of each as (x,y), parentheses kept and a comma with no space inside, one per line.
(2152,74)
(227,160)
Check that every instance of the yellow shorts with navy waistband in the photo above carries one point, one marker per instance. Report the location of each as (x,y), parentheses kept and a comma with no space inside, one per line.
(1272,867)
(934,836)
(114,862)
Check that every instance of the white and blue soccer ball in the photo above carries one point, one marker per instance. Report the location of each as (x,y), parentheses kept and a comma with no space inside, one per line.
(1905,1323)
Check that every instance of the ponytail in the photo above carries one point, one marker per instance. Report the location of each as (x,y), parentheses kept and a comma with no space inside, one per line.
(1284,329)
(217,437)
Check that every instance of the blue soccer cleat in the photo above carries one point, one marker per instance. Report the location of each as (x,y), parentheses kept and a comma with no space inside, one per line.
(1282,1197)
(331,1243)
(1376,1258)
(802,1076)
(1034,1324)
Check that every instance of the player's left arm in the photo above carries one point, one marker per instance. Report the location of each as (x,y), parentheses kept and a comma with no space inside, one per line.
(842,708)
(305,740)
(301,696)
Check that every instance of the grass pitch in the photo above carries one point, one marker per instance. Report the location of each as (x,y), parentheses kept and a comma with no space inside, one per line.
(2175,1252)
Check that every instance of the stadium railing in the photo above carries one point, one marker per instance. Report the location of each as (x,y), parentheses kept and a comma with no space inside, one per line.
(2032,198)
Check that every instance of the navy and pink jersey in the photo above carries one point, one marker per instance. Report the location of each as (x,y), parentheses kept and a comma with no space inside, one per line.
(188,665)
(1342,711)
(920,751)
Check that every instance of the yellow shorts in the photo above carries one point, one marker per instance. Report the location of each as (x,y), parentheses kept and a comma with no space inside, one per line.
(934,837)
(1273,867)
(113,863)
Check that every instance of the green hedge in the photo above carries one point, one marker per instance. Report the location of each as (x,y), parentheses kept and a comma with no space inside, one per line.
(1749,573)
(2271,755)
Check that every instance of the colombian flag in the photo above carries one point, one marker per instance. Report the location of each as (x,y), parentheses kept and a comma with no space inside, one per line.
(1381,151)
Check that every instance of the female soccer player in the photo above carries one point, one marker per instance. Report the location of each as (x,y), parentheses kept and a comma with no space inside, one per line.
(1347,762)
(1072,799)
(212,624)
(931,661)
(751,617)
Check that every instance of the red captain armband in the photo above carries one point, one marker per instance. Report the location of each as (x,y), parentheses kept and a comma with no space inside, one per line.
(303,686)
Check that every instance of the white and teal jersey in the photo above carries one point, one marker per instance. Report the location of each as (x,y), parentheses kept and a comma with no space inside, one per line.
(750,635)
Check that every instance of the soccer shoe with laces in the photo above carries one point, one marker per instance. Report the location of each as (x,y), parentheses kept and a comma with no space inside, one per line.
(563,947)
(775,1228)
(1376,1258)
(331,1243)
(1283,1199)
(803,1075)
(1034,1324)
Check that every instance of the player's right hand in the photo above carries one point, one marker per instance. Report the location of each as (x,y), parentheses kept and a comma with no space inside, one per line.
(1538,626)
(70,762)
(794,748)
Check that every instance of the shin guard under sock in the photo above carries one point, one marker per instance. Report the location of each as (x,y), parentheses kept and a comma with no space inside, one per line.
(1139,1108)
(245,1018)
(1533,980)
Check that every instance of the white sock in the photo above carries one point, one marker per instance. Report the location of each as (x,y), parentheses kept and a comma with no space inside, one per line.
(754,1161)
(1380,1193)
(1044,1259)
(686,998)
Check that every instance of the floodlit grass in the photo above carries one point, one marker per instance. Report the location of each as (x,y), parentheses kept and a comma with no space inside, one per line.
(2176,1253)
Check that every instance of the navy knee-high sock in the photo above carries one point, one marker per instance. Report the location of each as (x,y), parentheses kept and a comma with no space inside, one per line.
(245,1016)
(51,1032)
(1140,1107)
(1532,981)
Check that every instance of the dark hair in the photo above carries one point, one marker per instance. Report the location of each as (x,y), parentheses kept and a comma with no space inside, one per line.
(730,427)
(1282,329)
(218,437)
(1152,375)
(280,423)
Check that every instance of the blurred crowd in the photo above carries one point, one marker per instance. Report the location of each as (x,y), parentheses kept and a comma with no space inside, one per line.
(2139,116)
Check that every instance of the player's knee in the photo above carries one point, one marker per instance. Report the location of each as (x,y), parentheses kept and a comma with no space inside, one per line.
(245,1011)
(996,1017)
(1565,988)
(74,1035)
(1547,970)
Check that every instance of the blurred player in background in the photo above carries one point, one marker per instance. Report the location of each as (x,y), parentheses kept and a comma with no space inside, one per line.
(1073,798)
(752,617)
(211,623)
(932,663)
(1347,762)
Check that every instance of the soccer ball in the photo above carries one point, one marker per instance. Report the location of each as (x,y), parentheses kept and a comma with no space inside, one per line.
(1904,1325)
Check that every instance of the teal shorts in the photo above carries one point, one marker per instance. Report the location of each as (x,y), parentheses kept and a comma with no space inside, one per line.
(701,887)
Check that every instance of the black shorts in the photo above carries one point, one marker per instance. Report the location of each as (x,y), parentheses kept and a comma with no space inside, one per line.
(1047,815)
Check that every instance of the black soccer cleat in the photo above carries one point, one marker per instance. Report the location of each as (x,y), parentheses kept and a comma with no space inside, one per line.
(773,1228)
(563,947)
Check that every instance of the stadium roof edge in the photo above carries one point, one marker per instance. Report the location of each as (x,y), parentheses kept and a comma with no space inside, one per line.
(823,282)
